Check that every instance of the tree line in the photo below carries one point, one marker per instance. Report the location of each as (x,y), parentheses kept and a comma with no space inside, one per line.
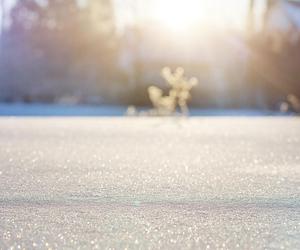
(52,49)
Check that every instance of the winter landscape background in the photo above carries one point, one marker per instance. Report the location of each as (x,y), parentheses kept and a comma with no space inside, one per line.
(244,53)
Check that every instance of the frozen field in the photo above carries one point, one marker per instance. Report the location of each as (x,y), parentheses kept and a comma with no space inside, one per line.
(146,183)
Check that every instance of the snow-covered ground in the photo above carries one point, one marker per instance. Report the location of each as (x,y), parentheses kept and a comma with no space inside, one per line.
(150,183)
(21,109)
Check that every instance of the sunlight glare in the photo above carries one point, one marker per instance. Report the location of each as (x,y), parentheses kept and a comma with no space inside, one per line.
(178,15)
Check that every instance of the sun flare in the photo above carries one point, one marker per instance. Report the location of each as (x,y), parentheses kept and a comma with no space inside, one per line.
(178,15)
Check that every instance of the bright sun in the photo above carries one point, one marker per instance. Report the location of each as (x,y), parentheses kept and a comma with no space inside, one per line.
(178,15)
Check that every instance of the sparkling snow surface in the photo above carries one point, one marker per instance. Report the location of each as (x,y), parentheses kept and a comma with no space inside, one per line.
(147,183)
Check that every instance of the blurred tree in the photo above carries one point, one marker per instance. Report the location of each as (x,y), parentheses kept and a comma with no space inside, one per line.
(2,11)
(269,5)
(250,21)
(56,46)
(138,90)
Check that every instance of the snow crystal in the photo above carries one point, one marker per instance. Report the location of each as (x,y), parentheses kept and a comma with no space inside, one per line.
(139,183)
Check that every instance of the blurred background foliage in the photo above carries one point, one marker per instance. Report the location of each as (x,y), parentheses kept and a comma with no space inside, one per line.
(83,52)
(58,49)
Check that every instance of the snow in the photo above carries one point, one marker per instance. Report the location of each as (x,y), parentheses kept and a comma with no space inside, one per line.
(150,183)
(21,109)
